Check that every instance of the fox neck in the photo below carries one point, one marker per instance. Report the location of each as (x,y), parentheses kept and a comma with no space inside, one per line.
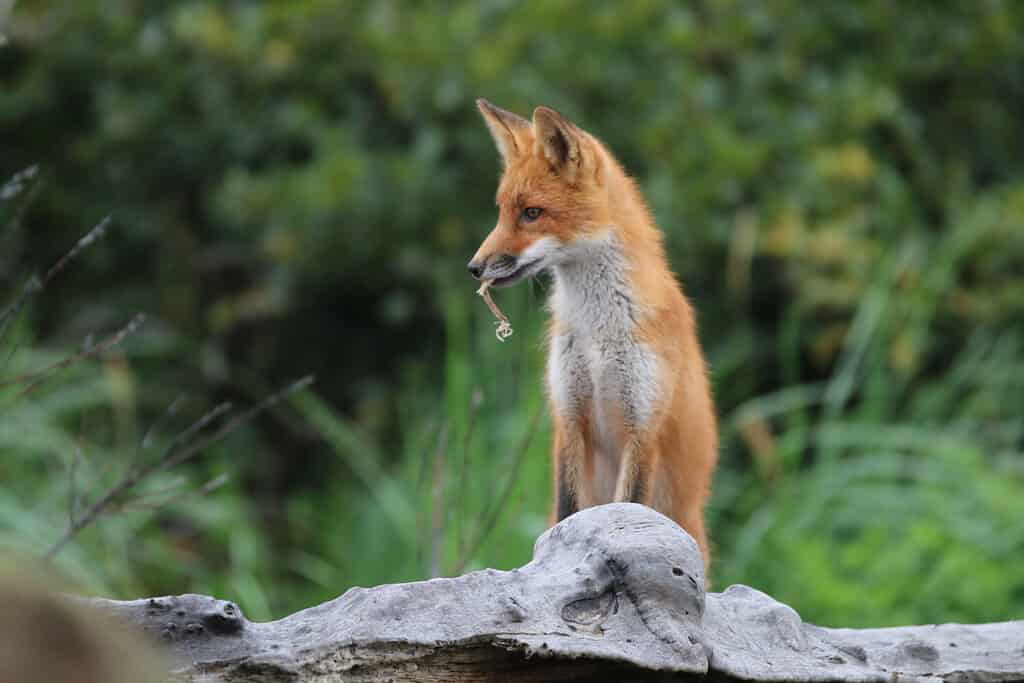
(592,290)
(599,290)
(610,277)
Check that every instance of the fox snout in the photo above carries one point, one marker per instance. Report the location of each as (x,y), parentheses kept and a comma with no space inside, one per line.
(504,261)
(500,265)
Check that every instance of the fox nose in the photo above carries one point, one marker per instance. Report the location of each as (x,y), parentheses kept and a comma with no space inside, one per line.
(476,269)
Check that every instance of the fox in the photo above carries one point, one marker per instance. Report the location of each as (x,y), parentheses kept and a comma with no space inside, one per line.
(628,387)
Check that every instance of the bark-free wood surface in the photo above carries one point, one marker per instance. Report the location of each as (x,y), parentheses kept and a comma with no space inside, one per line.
(613,593)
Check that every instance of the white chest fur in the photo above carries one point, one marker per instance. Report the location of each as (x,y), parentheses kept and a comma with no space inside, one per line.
(596,361)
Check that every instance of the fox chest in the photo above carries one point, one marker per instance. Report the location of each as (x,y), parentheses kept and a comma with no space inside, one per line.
(600,375)
(611,382)
(604,381)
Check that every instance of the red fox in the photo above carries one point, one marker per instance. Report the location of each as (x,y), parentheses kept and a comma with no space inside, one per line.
(627,382)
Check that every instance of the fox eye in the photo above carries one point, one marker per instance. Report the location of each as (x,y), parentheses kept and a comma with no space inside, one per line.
(532,213)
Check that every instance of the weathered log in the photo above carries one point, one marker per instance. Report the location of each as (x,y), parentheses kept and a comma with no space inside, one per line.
(613,593)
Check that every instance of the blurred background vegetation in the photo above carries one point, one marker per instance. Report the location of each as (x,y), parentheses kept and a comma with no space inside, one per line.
(296,185)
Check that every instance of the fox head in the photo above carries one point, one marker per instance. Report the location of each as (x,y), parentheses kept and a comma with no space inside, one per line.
(551,197)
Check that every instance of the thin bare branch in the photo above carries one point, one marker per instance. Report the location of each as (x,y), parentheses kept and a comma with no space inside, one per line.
(17,182)
(10,314)
(171,411)
(76,456)
(35,284)
(154,502)
(147,438)
(96,233)
(199,425)
(175,487)
(36,377)
(13,187)
(232,424)
(179,451)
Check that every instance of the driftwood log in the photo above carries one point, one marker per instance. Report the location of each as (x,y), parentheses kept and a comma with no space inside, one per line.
(614,593)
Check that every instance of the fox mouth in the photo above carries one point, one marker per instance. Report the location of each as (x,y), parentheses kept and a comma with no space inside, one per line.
(521,272)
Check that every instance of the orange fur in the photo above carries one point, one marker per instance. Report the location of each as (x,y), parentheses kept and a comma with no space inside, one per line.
(663,437)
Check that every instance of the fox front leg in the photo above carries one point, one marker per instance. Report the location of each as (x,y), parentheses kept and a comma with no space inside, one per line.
(571,393)
(636,471)
(568,459)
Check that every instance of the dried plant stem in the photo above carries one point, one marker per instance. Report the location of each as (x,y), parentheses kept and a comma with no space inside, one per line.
(177,495)
(89,237)
(35,284)
(76,456)
(504,330)
(36,377)
(181,449)
(10,313)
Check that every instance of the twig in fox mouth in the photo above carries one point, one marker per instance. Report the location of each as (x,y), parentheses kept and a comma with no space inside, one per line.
(504,330)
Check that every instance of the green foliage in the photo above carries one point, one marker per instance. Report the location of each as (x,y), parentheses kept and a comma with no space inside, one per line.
(470,485)
(296,186)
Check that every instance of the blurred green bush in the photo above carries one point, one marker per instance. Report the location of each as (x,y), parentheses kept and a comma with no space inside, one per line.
(296,186)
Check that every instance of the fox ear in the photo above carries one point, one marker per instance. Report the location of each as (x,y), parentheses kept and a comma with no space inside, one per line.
(559,141)
(504,126)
